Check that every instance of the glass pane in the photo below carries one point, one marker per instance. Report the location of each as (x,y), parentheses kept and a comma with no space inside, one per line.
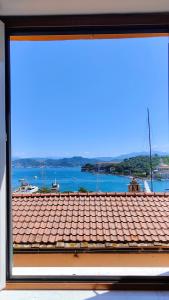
(89,116)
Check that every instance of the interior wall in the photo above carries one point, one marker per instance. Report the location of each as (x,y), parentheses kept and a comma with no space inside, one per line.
(56,7)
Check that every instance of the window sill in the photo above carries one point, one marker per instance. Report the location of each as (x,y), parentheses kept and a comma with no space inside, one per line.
(83,295)
(88,271)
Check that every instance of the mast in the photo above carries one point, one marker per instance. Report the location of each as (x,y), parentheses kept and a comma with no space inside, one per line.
(150,153)
(97,178)
(43,174)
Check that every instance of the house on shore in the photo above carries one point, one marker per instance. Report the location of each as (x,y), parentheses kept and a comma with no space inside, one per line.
(162,171)
(102,167)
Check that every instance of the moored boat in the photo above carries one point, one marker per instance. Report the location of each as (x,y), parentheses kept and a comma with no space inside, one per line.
(26,188)
(55,187)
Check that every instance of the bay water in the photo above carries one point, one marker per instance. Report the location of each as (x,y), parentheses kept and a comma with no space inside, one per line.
(71,179)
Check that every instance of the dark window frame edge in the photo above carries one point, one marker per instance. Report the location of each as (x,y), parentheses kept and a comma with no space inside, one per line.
(24,25)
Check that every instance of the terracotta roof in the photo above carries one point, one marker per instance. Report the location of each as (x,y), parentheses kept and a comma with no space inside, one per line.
(91,220)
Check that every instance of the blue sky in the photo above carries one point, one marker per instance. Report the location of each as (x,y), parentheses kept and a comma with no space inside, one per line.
(88,97)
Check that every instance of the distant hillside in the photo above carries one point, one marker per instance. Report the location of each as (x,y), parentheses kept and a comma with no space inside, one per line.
(133,166)
(131,155)
(75,161)
(135,154)
(53,163)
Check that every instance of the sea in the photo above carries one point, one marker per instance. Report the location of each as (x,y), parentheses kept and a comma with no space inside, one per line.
(72,179)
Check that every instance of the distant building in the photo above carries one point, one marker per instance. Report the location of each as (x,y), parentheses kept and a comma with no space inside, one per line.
(102,167)
(162,171)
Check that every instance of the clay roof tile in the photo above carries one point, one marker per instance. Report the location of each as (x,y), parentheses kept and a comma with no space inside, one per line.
(91,217)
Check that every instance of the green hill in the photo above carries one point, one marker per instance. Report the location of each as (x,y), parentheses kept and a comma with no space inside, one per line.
(52,163)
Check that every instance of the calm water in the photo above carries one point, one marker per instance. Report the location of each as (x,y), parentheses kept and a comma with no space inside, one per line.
(71,179)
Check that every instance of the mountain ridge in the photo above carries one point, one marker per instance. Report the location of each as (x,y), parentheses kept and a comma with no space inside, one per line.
(73,161)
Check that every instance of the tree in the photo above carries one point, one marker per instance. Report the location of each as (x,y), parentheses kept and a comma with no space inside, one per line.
(44,190)
(82,190)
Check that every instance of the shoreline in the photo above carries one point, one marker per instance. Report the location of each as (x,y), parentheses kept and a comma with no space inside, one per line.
(120,175)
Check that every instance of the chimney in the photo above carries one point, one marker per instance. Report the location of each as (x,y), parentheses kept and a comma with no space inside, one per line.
(134,186)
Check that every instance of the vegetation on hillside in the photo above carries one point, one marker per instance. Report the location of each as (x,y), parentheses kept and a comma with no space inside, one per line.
(137,166)
(52,163)
(134,166)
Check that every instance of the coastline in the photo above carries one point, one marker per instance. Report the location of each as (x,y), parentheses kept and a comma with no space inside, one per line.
(120,175)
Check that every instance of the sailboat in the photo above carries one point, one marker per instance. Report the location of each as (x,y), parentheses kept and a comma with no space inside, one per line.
(55,187)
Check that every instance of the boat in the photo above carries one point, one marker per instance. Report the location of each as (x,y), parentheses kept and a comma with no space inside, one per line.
(55,187)
(26,188)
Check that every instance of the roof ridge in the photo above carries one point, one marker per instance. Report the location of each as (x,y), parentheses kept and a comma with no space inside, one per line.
(90,194)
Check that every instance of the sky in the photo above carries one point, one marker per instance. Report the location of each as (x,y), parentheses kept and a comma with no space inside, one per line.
(89,97)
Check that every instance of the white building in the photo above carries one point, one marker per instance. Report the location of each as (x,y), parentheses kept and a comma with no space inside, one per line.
(162,171)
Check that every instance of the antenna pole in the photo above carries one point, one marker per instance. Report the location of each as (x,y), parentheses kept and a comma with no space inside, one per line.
(149,138)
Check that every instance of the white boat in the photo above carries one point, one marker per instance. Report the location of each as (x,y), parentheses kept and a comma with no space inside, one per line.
(26,188)
(55,187)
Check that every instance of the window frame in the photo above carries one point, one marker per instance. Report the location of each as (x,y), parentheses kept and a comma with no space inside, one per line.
(123,24)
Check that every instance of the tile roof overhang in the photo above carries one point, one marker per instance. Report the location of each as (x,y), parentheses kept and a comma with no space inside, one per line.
(91,221)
